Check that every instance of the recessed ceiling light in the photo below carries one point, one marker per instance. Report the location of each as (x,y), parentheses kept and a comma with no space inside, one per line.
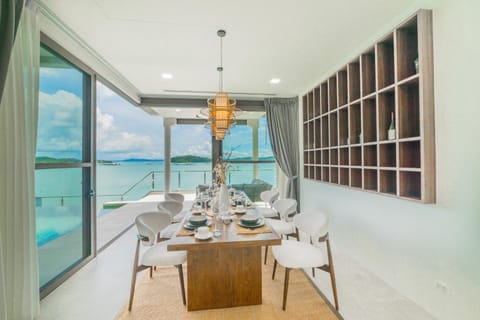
(178,110)
(275,81)
(167,76)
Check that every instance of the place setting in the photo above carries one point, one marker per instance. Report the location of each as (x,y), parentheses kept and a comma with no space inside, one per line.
(251,224)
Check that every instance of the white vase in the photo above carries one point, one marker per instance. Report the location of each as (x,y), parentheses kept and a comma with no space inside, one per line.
(224,200)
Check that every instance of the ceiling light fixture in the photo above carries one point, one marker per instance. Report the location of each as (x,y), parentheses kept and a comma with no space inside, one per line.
(167,76)
(178,110)
(222,110)
(275,81)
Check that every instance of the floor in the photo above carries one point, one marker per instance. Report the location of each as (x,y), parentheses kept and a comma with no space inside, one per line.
(100,289)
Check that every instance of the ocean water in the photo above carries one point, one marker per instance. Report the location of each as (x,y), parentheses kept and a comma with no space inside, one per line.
(59,191)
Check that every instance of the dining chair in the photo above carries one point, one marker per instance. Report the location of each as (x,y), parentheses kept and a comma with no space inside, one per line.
(268,197)
(175,210)
(283,226)
(298,254)
(148,226)
(175,196)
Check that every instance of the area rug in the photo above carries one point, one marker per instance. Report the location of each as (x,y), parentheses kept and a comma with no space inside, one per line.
(160,298)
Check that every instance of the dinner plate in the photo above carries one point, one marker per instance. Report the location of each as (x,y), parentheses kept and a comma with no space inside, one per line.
(190,226)
(208,236)
(261,223)
(243,210)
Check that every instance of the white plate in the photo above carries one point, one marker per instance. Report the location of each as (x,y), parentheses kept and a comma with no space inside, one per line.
(208,236)
(243,210)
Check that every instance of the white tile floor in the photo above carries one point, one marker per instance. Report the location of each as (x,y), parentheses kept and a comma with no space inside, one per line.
(101,288)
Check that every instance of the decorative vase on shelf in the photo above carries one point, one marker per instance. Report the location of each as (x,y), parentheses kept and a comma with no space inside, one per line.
(391,128)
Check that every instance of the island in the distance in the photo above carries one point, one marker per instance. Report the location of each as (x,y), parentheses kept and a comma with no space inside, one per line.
(189,158)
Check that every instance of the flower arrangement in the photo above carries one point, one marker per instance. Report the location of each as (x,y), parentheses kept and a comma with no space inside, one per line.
(220,170)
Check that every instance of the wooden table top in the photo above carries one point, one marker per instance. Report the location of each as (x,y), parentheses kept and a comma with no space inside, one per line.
(228,238)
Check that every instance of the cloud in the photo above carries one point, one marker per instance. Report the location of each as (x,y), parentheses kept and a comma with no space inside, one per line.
(49,73)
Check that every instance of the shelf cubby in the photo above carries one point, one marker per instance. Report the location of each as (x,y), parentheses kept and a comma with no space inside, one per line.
(324,97)
(407,49)
(344,158)
(388,182)
(325,140)
(318,133)
(409,110)
(333,129)
(410,185)
(347,116)
(325,174)
(388,155)
(370,156)
(409,154)
(369,120)
(370,179)
(305,108)
(334,174)
(386,105)
(356,156)
(334,157)
(343,126)
(325,157)
(355,123)
(342,88)
(385,63)
(316,101)
(356,178)
(344,176)
(318,173)
(354,81)
(332,93)
(368,72)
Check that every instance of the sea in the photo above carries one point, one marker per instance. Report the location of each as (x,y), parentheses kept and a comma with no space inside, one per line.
(59,192)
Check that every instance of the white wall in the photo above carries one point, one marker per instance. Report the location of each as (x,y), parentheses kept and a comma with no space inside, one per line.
(429,253)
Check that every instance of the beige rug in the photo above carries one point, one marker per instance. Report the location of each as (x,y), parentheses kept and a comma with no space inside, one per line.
(160,298)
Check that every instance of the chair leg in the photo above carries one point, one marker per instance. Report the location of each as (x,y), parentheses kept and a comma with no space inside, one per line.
(182,285)
(151,272)
(313,272)
(274,269)
(332,274)
(285,288)
(134,276)
(266,253)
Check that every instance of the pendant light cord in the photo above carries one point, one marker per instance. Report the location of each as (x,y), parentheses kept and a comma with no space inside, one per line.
(221,65)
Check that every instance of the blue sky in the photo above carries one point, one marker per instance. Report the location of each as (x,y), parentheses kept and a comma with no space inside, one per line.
(123,130)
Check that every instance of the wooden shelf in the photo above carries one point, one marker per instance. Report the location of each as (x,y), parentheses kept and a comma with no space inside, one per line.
(346,118)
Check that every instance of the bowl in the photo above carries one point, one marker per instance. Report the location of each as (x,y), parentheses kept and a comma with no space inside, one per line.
(198,220)
(249,219)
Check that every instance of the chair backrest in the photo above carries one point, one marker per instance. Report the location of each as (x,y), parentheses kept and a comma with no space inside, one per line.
(149,224)
(269,196)
(175,196)
(285,207)
(315,225)
(170,206)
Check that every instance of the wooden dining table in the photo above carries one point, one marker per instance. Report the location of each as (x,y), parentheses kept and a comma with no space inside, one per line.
(224,271)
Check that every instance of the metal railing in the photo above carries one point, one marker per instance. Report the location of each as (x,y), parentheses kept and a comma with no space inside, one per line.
(152,175)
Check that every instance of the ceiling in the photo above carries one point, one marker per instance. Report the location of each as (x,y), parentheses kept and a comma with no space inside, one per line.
(296,41)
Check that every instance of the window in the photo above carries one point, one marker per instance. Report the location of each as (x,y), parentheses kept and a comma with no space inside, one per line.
(63,167)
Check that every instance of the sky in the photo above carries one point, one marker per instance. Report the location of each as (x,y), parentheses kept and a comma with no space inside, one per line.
(123,130)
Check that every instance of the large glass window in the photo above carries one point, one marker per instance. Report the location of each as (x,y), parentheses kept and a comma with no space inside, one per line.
(129,160)
(191,157)
(252,165)
(62,176)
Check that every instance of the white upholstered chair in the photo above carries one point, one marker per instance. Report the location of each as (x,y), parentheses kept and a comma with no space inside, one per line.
(175,196)
(176,212)
(268,197)
(296,254)
(148,226)
(283,226)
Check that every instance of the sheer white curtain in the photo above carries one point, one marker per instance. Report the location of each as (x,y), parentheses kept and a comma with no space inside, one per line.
(19,296)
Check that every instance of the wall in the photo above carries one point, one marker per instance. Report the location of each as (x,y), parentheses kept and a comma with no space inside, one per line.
(429,253)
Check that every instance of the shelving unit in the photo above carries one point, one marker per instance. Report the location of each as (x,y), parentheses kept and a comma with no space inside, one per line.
(346,118)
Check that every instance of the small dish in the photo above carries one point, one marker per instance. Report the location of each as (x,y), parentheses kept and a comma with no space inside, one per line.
(259,224)
(207,236)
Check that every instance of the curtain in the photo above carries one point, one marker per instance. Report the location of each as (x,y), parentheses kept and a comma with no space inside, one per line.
(282,120)
(19,281)
(10,13)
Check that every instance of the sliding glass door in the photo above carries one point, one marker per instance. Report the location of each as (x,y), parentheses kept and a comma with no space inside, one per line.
(63,168)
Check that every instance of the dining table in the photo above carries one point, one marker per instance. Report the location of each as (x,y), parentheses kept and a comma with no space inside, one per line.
(224,270)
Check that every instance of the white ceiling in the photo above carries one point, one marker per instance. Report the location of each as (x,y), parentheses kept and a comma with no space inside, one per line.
(296,41)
